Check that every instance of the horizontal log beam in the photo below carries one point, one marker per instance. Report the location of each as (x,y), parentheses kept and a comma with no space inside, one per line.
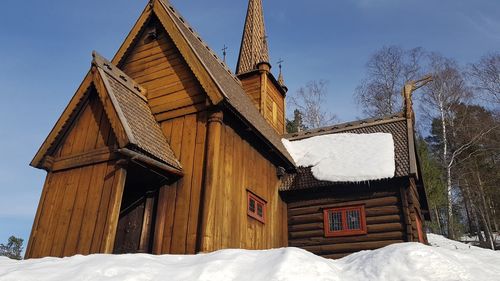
(347,247)
(83,159)
(369,203)
(318,217)
(354,197)
(314,241)
(374,228)
(384,227)
(383,219)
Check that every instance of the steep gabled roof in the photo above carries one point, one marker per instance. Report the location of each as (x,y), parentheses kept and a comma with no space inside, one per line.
(127,110)
(219,83)
(397,125)
(142,130)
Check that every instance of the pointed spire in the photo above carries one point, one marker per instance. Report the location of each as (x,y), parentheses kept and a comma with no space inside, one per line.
(254,49)
(281,81)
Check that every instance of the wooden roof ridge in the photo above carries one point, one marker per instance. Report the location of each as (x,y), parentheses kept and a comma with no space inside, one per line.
(126,108)
(119,75)
(220,84)
(346,126)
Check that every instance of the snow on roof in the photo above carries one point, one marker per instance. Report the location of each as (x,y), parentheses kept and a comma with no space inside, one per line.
(403,262)
(345,157)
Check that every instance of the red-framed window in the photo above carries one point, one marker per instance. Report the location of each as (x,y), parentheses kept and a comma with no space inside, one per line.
(256,207)
(344,221)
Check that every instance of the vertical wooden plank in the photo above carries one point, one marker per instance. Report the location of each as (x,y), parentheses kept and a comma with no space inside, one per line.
(102,213)
(92,135)
(114,211)
(227,189)
(53,214)
(176,145)
(219,191)
(90,214)
(62,225)
(76,220)
(40,212)
(161,211)
(104,130)
(80,130)
(237,192)
(196,185)
(178,245)
(243,200)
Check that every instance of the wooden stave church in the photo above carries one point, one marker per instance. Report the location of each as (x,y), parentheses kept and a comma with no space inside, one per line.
(213,143)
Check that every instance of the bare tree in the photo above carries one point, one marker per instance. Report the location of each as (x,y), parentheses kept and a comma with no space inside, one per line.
(485,77)
(310,101)
(387,71)
(439,102)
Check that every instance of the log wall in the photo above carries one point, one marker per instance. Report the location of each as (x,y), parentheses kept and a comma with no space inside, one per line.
(384,220)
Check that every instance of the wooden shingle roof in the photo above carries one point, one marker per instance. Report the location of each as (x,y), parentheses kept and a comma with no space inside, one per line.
(143,132)
(396,125)
(230,87)
(254,47)
(127,110)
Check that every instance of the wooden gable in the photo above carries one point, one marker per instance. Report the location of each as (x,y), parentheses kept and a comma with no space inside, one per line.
(152,53)
(107,93)
(154,61)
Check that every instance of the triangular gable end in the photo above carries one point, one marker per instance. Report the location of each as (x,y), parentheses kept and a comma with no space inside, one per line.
(213,75)
(157,9)
(109,89)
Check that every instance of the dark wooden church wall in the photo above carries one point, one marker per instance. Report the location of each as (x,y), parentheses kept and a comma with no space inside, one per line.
(178,102)
(384,219)
(242,167)
(178,204)
(274,98)
(75,213)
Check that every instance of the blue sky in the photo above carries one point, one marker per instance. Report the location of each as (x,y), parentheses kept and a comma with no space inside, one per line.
(45,50)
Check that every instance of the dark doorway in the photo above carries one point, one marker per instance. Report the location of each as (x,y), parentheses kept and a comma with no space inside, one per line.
(135,230)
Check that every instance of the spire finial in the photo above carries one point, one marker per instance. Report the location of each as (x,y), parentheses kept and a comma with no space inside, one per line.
(254,47)
(224,53)
(281,81)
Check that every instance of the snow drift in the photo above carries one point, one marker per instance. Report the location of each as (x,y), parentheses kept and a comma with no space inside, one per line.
(345,157)
(446,260)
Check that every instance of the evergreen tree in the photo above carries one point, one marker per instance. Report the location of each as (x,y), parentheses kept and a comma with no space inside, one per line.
(13,248)
(295,125)
(435,186)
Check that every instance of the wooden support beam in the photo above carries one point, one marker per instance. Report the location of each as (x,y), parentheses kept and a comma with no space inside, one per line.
(83,159)
(211,181)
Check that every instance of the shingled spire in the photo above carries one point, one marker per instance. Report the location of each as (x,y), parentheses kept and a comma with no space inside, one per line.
(253,48)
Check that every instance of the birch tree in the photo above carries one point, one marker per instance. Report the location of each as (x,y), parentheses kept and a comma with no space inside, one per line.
(310,101)
(387,70)
(485,77)
(447,89)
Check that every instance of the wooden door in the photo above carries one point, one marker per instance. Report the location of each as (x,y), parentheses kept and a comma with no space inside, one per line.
(135,227)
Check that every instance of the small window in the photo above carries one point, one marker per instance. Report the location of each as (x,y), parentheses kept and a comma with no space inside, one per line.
(256,207)
(275,113)
(344,221)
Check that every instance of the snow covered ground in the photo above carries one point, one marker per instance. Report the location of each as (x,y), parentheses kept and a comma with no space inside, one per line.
(444,260)
(345,157)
